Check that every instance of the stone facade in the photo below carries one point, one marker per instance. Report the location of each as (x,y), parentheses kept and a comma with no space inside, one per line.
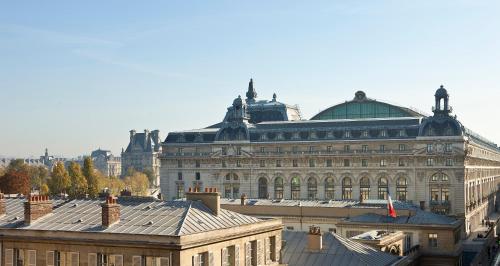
(142,153)
(106,163)
(360,149)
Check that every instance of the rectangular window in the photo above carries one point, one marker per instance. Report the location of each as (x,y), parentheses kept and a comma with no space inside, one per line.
(262,149)
(435,194)
(238,151)
(179,176)
(382,148)
(445,194)
(433,240)
(430,161)
(198,176)
(347,148)
(278,163)
(329,148)
(401,162)
(364,148)
(329,163)
(295,163)
(312,163)
(402,133)
(179,151)
(262,163)
(295,149)
(449,162)
(180,190)
(347,134)
(347,163)
(364,134)
(364,162)
(383,163)
(238,163)
(197,164)
(383,133)
(228,256)
(430,147)
(312,148)
(402,147)
(179,163)
(224,151)
(278,149)
(224,165)
(447,147)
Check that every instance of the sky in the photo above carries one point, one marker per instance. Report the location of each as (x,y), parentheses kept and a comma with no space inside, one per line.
(78,75)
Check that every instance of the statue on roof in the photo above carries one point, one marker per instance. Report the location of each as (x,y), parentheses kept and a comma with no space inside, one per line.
(251,93)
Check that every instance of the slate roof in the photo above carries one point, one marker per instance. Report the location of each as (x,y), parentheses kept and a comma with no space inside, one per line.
(165,218)
(420,218)
(337,250)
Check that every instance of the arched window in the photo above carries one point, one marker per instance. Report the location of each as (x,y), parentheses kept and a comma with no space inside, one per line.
(329,188)
(364,188)
(346,188)
(295,187)
(383,188)
(278,188)
(401,189)
(263,188)
(312,188)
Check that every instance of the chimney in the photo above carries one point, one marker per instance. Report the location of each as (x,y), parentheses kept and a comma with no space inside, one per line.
(211,198)
(37,206)
(146,136)
(110,212)
(243,199)
(132,134)
(314,239)
(2,205)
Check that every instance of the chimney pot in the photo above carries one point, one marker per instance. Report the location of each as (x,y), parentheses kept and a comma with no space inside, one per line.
(243,199)
(315,239)
(110,212)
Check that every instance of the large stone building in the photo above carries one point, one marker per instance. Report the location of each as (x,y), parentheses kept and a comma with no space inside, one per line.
(362,148)
(142,153)
(106,163)
(136,232)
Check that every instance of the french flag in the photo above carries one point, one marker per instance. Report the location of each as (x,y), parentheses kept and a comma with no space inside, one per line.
(392,211)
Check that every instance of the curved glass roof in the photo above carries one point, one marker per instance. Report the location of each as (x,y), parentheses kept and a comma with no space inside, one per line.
(362,107)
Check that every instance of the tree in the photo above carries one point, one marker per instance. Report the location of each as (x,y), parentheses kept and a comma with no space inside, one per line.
(18,165)
(15,182)
(2,171)
(39,176)
(151,177)
(137,183)
(90,175)
(44,189)
(59,181)
(79,186)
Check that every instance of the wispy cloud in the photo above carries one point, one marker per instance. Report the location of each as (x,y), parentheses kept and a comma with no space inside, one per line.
(106,59)
(55,37)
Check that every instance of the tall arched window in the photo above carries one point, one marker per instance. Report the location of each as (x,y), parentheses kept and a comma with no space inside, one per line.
(278,188)
(346,188)
(312,188)
(231,186)
(262,188)
(329,188)
(383,188)
(295,187)
(364,188)
(401,189)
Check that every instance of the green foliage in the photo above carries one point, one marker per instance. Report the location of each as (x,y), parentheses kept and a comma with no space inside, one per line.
(79,186)
(91,177)
(60,181)
(39,176)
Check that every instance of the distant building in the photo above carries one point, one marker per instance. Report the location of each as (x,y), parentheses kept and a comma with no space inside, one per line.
(142,153)
(136,232)
(50,161)
(106,163)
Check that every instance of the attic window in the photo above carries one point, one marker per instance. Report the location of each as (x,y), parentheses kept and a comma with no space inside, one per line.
(75,205)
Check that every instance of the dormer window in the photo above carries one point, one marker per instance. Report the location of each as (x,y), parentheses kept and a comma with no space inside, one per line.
(347,134)
(402,133)
(383,133)
(364,133)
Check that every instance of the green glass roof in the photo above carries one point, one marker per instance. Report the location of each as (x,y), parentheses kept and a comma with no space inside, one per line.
(362,107)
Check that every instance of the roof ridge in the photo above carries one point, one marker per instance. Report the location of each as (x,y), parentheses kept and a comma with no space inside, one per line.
(183,219)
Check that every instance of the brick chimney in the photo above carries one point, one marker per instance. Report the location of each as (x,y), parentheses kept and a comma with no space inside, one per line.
(36,207)
(243,199)
(314,239)
(211,198)
(110,212)
(2,205)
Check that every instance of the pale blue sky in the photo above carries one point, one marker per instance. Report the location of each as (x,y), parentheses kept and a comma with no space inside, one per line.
(78,75)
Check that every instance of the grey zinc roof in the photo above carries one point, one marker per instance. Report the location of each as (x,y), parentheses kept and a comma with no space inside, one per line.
(420,218)
(337,250)
(166,218)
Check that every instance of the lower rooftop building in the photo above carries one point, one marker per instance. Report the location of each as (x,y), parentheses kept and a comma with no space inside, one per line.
(137,232)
